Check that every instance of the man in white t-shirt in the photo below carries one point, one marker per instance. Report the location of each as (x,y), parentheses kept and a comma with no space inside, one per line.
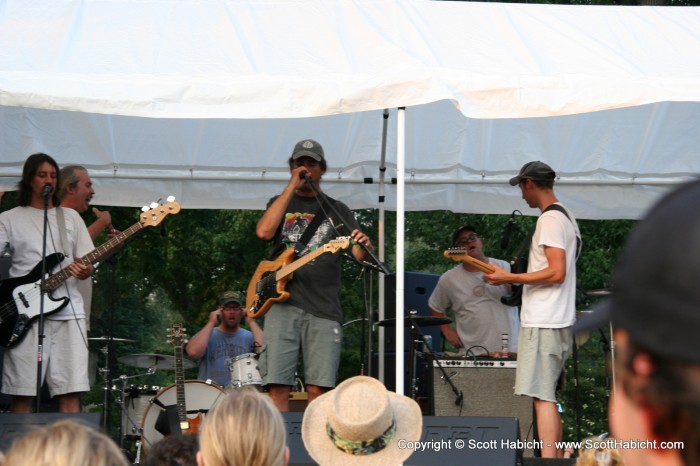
(548,310)
(64,348)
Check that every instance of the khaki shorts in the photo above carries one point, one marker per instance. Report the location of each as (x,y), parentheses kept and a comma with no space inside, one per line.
(542,355)
(290,330)
(65,360)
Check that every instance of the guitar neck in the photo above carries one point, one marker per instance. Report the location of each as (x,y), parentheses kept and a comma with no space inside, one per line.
(180,388)
(290,268)
(96,255)
(461,255)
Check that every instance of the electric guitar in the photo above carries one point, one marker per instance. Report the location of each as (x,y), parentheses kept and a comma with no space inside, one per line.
(513,299)
(460,255)
(188,426)
(270,278)
(20,297)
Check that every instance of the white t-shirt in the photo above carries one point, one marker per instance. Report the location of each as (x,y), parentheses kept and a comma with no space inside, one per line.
(551,305)
(480,316)
(22,228)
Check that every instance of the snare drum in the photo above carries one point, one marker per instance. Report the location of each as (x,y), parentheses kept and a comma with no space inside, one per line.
(136,399)
(244,371)
(200,397)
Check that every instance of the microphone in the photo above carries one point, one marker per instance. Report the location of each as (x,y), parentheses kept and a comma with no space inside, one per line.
(507,231)
(47,190)
(305,176)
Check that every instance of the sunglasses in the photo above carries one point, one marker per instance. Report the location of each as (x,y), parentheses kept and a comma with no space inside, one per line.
(472,237)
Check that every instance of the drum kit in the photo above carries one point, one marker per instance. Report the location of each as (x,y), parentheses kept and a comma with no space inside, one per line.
(141,405)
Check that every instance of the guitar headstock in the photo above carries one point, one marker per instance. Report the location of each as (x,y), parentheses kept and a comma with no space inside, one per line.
(176,334)
(337,244)
(155,213)
(456,254)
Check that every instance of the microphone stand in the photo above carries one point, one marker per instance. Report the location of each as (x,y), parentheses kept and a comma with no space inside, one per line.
(378,265)
(459,396)
(40,328)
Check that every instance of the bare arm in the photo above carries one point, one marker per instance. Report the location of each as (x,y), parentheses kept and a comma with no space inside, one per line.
(198,343)
(256,331)
(448,332)
(103,221)
(555,272)
(268,223)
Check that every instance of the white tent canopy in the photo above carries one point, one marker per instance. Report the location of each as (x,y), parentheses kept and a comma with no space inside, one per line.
(204,99)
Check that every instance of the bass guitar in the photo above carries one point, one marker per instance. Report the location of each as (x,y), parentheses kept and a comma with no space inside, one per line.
(270,278)
(20,298)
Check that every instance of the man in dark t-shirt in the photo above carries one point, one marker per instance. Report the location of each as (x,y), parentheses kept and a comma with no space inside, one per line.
(311,319)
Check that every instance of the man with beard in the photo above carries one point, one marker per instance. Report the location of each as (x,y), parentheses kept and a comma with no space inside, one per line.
(222,338)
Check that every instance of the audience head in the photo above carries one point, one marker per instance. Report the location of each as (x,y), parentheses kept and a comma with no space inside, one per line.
(173,450)
(360,422)
(599,451)
(655,313)
(64,443)
(243,429)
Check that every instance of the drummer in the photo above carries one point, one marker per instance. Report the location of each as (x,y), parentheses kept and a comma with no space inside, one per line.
(223,338)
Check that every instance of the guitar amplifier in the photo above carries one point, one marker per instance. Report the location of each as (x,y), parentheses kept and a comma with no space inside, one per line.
(487,387)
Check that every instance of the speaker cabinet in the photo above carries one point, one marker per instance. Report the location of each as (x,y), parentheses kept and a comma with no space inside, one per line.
(417,290)
(468,440)
(448,441)
(487,389)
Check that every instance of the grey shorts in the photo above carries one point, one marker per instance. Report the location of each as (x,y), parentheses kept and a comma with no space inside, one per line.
(289,331)
(542,355)
(65,360)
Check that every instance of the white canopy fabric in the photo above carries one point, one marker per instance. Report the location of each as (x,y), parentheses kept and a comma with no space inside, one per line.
(204,99)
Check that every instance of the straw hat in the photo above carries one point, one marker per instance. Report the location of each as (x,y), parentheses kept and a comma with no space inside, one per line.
(360,422)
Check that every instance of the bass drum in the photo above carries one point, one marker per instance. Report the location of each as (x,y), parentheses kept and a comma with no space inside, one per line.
(200,397)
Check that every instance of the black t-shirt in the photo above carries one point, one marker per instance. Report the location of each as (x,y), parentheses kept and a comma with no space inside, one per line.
(315,287)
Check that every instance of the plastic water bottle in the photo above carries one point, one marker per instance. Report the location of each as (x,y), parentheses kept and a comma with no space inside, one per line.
(505,349)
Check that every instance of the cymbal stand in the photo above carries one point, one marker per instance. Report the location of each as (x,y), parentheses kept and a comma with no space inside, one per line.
(105,371)
(121,402)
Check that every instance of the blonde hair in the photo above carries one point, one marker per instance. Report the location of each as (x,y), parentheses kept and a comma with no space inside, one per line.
(243,429)
(610,456)
(64,443)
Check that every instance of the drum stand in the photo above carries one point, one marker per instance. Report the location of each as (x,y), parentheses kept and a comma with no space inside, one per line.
(121,402)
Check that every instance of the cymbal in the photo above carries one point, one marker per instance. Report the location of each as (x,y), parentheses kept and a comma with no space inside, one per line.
(421,321)
(603,292)
(125,340)
(159,361)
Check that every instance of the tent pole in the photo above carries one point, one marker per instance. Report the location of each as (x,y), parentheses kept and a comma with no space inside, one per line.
(400,220)
(382,250)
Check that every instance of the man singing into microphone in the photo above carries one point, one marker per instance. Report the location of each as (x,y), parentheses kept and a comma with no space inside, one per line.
(65,353)
(310,321)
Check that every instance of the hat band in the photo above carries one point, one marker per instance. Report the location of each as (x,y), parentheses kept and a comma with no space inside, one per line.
(364,447)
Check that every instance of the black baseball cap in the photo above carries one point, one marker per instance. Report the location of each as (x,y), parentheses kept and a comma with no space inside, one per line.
(655,286)
(232,296)
(308,148)
(538,171)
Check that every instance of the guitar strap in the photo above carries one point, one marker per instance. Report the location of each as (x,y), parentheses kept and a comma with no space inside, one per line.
(61,221)
(525,244)
(319,217)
